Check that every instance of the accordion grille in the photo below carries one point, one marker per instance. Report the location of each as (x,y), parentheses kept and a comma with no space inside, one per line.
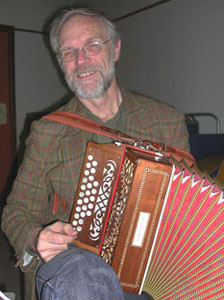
(118,210)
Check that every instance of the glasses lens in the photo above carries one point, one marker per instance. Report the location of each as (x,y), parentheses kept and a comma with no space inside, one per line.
(93,48)
(68,55)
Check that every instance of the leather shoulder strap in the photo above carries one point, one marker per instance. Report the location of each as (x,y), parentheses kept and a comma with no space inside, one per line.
(78,121)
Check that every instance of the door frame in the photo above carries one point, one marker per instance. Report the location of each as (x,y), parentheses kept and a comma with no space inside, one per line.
(12,107)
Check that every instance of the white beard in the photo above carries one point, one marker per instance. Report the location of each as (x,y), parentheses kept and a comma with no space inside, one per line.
(101,86)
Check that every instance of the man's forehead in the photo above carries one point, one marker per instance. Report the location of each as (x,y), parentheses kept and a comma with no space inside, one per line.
(79,25)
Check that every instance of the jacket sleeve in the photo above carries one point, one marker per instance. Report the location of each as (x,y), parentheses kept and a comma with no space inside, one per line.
(27,204)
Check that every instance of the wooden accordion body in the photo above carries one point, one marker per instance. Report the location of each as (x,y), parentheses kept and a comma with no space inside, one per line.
(157,222)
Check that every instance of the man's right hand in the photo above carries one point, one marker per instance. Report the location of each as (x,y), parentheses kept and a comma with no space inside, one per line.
(54,239)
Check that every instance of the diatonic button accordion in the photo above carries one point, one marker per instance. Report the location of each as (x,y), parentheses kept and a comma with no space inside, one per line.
(157,221)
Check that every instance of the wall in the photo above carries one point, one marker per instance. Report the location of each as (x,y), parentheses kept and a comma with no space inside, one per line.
(174,52)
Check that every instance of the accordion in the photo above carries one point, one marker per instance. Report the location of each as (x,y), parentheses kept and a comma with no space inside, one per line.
(157,221)
(150,214)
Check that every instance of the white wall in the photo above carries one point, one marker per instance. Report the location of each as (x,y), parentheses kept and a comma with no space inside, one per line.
(118,8)
(37,82)
(29,14)
(174,52)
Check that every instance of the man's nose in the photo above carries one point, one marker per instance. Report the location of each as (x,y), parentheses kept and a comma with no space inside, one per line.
(81,56)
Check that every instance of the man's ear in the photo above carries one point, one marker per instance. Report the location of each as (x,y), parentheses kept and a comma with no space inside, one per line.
(117,50)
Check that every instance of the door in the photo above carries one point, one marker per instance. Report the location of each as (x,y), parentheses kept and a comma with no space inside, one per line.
(7,105)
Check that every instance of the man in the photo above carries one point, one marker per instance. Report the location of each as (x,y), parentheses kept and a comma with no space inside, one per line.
(37,212)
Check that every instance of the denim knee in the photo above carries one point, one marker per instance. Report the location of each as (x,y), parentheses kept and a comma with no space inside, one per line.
(77,274)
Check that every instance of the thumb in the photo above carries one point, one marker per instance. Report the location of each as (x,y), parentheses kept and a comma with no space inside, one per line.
(68,229)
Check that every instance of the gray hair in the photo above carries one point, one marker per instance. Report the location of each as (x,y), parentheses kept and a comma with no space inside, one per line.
(58,23)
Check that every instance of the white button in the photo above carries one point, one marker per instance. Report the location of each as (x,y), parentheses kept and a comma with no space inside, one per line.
(91,178)
(86,200)
(94,191)
(84,207)
(76,216)
(93,170)
(92,198)
(89,185)
(83,214)
(79,229)
(90,205)
(88,165)
(84,180)
(94,163)
(86,172)
(83,187)
(88,193)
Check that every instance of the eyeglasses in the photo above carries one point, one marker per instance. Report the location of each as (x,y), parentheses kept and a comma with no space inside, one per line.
(90,49)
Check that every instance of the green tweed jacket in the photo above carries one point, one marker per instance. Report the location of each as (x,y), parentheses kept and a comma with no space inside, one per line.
(52,164)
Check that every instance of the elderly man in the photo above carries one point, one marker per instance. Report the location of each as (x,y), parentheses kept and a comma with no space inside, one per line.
(36,217)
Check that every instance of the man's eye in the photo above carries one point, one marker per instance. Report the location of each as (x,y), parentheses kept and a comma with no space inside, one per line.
(93,47)
(68,54)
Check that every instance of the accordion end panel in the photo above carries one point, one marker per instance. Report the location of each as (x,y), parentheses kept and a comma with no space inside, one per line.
(145,202)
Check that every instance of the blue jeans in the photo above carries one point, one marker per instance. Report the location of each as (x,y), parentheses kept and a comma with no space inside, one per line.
(77,274)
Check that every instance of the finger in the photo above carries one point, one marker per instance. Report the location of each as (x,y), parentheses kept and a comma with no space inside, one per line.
(57,226)
(49,246)
(45,247)
(68,229)
(52,237)
(62,227)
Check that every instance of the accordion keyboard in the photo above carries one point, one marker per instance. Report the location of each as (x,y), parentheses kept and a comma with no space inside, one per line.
(87,195)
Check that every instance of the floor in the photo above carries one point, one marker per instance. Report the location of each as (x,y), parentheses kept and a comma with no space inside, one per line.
(10,277)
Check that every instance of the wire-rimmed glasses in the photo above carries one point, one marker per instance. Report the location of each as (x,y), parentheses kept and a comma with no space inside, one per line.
(90,49)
